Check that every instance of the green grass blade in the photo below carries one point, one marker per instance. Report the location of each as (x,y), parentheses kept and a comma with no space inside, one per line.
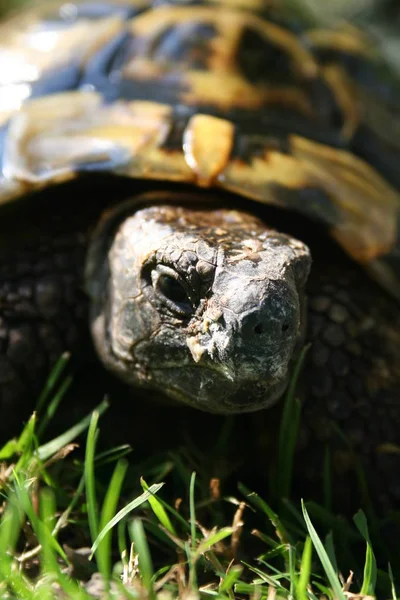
(323,556)
(52,381)
(9,449)
(142,550)
(27,440)
(11,579)
(177,516)
(41,532)
(259,503)
(191,551)
(10,527)
(340,526)
(192,509)
(297,526)
(392,584)
(158,509)
(51,448)
(153,489)
(63,518)
(230,578)
(369,580)
(53,405)
(291,562)
(330,549)
(279,550)
(288,433)
(90,480)
(103,554)
(212,539)
(113,454)
(47,515)
(253,590)
(305,571)
(265,577)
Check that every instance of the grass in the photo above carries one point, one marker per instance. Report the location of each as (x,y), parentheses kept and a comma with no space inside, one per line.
(84,524)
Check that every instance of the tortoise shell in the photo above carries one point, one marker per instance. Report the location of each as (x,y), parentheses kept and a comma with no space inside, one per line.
(226,94)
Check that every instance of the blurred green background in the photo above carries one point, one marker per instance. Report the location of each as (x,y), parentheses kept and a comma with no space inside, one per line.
(6,5)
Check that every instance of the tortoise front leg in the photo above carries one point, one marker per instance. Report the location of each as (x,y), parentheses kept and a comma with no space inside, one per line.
(42,314)
(351,387)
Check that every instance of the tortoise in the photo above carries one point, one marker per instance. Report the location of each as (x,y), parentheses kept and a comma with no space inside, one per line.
(207,187)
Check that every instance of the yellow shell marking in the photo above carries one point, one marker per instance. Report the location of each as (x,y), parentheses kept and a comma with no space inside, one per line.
(207,145)
(348,39)
(368,205)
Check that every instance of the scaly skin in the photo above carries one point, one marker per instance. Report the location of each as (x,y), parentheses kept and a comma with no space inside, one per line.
(202,305)
(350,381)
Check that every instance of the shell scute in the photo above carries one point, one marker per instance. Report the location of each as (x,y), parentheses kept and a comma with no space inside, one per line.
(216,94)
(207,146)
(57,136)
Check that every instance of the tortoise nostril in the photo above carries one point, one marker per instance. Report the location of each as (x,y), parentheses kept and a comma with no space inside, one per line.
(259,329)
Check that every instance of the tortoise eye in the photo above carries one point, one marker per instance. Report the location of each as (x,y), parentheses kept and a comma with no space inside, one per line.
(169,288)
(172,289)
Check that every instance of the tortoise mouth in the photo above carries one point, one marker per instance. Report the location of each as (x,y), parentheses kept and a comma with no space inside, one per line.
(210,391)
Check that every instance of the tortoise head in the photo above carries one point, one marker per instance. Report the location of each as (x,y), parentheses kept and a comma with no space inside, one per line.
(202,304)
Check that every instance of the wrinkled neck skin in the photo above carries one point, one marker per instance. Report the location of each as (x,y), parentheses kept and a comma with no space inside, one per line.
(202,304)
